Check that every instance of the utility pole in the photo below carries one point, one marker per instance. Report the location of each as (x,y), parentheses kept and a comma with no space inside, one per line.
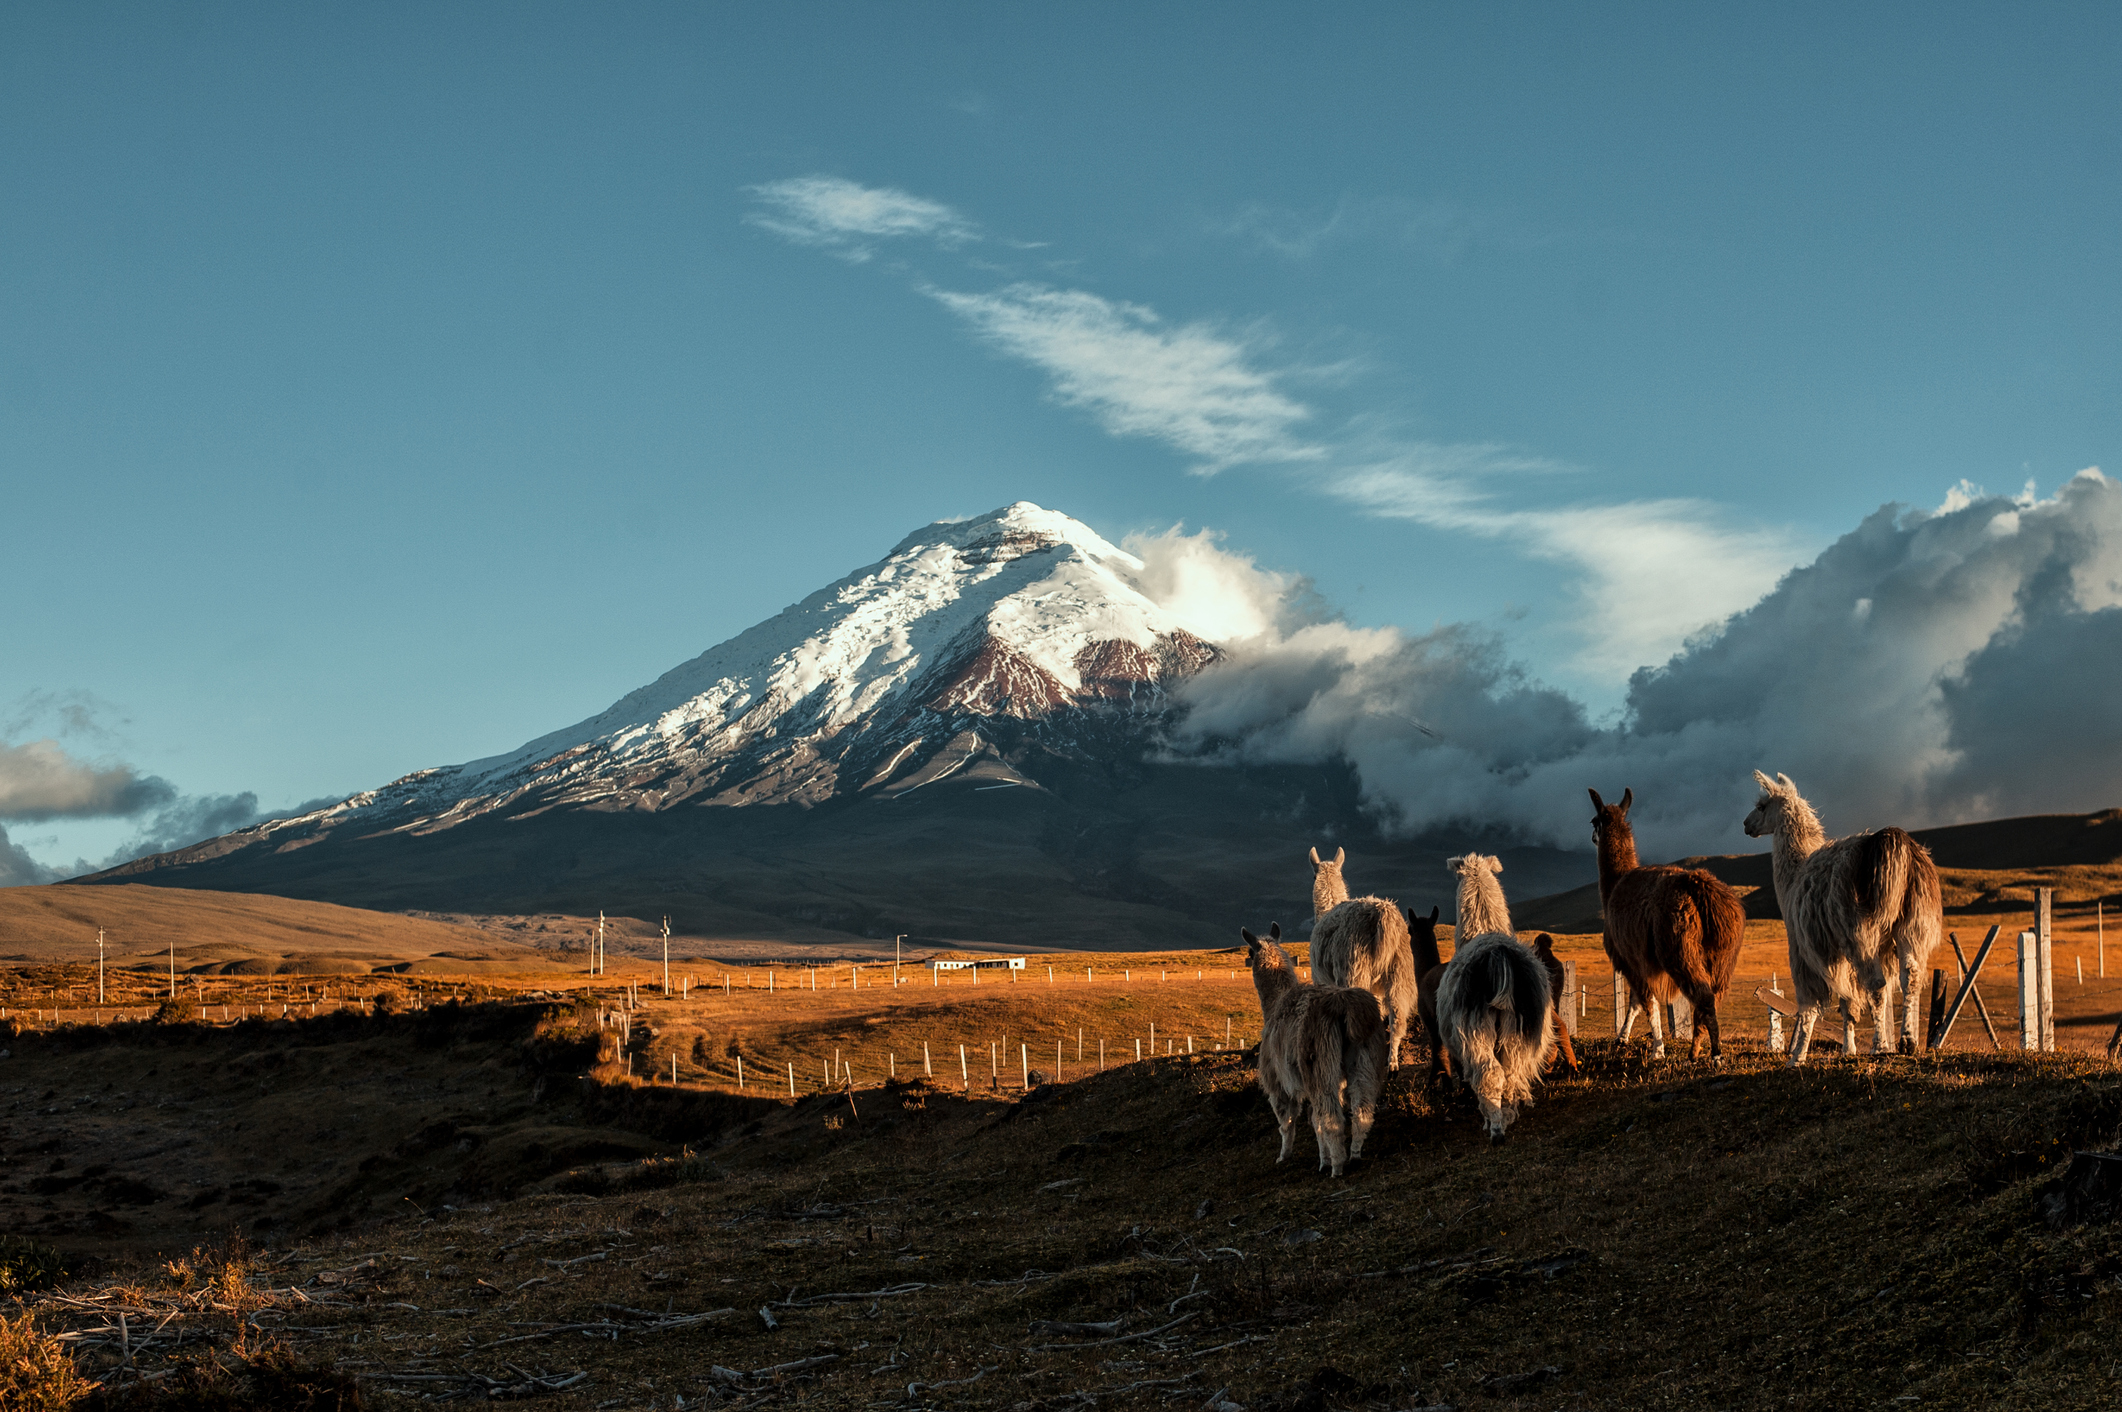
(895,961)
(666,972)
(99,965)
(598,968)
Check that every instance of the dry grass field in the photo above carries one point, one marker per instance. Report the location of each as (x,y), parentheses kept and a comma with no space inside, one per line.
(484,1220)
(447,1163)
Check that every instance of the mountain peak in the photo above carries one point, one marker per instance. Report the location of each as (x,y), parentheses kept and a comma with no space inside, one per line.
(1021,628)
(1013,531)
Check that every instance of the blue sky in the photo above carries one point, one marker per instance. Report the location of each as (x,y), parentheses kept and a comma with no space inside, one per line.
(383,386)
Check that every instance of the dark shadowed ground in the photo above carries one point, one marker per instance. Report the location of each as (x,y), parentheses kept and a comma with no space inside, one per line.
(1863,1232)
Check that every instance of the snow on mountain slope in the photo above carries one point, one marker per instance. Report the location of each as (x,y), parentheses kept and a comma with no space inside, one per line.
(883,681)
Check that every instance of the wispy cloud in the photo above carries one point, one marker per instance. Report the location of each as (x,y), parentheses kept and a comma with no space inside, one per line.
(1196,389)
(832,213)
(1442,230)
(1650,574)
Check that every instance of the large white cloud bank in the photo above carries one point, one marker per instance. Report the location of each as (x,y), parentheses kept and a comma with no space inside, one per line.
(1929,667)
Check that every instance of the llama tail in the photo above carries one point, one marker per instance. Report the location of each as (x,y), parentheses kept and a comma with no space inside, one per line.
(1716,918)
(1920,923)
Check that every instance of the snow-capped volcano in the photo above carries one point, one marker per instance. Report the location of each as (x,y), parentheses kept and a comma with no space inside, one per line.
(1019,621)
(964,739)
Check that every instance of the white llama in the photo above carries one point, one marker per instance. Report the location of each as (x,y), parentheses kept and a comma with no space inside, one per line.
(1848,906)
(1481,904)
(1362,942)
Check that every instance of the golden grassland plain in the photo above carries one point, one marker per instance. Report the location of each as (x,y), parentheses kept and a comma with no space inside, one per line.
(500,1196)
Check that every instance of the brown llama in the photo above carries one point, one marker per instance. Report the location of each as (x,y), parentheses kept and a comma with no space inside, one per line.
(1850,908)
(1544,948)
(1362,942)
(1321,1047)
(1669,931)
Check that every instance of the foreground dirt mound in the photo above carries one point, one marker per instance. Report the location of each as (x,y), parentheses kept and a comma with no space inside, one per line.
(1653,1236)
(125,1137)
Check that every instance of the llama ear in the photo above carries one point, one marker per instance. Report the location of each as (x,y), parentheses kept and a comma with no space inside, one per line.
(1251,941)
(1495,864)
(1784,780)
(1628,797)
(1597,802)
(1274,931)
(1434,913)
(1315,857)
(1451,865)
(1764,781)
(1340,856)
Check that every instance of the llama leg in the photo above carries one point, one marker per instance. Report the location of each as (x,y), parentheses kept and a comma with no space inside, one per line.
(1882,1003)
(1494,1111)
(1802,1033)
(1333,1143)
(1908,1005)
(1628,1025)
(1484,1072)
(1285,1111)
(1706,1004)
(1361,1112)
(1657,1029)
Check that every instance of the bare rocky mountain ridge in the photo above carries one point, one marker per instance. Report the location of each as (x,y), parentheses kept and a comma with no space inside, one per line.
(961,742)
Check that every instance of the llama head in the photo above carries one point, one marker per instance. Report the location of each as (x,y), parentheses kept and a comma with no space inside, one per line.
(1265,953)
(1329,889)
(1777,797)
(1470,865)
(1423,926)
(1611,820)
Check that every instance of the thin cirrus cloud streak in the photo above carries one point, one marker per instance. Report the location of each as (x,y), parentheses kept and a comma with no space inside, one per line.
(1220,399)
(1188,386)
(844,217)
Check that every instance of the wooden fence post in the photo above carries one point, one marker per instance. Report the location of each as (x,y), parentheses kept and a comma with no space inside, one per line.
(2043,898)
(1937,1005)
(1775,1017)
(1569,997)
(2029,995)
(1620,1003)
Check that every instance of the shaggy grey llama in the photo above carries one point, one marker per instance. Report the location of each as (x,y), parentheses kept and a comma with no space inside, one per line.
(1320,1046)
(1363,942)
(1497,1013)
(1848,906)
(1495,1003)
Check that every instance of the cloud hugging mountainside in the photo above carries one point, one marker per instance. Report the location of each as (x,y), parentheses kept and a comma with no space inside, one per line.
(1927,668)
